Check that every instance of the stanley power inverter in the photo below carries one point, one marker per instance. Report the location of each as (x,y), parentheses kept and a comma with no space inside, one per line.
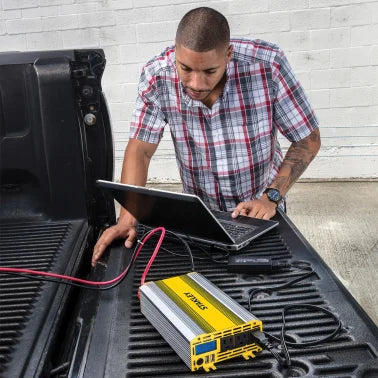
(199,321)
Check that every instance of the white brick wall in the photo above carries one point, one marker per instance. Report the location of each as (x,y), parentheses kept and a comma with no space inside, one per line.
(331,44)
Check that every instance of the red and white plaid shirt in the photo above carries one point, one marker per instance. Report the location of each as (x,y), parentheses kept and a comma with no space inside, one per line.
(229,153)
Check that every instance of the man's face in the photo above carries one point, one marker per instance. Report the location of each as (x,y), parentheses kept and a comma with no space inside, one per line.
(200,72)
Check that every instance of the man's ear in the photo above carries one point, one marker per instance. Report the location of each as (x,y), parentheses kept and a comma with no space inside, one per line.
(229,53)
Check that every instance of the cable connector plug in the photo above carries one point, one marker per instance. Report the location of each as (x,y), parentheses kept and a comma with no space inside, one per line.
(262,340)
(253,264)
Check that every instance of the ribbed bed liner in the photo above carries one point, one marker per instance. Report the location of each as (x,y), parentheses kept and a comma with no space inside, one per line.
(135,348)
(30,310)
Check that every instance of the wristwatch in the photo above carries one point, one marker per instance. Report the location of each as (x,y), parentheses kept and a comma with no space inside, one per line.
(273,195)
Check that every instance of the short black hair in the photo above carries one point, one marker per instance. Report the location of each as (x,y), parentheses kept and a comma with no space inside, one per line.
(203,29)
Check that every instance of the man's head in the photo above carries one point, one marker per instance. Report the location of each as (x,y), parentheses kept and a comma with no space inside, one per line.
(202,51)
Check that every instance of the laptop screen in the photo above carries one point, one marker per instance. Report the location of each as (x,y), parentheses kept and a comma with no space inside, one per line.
(181,213)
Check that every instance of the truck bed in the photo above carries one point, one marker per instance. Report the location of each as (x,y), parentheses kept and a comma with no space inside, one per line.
(31,311)
(121,343)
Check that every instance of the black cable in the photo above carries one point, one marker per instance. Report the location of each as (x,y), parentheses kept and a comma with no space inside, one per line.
(183,241)
(263,341)
(208,254)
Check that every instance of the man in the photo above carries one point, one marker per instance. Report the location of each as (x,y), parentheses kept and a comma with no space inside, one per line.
(224,101)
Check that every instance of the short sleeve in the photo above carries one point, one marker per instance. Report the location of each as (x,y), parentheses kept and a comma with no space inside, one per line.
(293,114)
(148,121)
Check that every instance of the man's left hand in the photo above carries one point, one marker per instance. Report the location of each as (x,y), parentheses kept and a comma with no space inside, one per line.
(261,208)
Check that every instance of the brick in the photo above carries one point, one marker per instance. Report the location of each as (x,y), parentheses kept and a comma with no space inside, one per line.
(374,99)
(310,19)
(156,3)
(93,20)
(40,12)
(115,93)
(12,43)
(362,76)
(332,3)
(343,97)
(134,16)
(117,35)
(45,3)
(130,53)
(114,74)
(364,35)
(374,12)
(338,78)
(130,92)
(81,38)
(351,15)
(2,27)
(78,9)
(374,55)
(285,5)
(351,57)
(362,116)
(334,116)
(66,22)
(119,74)
(10,14)
(44,41)
(121,112)
(319,99)
(288,41)
(115,5)
(156,32)
(307,60)
(259,23)
(112,54)
(26,25)
(170,13)
(329,38)
(305,80)
(147,51)
(19,4)
(247,6)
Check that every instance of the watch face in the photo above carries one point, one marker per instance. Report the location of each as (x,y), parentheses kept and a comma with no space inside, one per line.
(274,195)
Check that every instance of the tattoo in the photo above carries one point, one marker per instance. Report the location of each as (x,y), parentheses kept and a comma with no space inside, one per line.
(298,157)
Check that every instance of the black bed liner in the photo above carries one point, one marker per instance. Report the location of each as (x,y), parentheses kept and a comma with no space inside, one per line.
(124,344)
(30,311)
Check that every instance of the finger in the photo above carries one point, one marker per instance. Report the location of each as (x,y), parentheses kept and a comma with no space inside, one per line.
(239,208)
(260,213)
(106,238)
(253,211)
(131,238)
(244,212)
(235,213)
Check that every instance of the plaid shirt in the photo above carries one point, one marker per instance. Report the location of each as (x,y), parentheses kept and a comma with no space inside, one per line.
(229,153)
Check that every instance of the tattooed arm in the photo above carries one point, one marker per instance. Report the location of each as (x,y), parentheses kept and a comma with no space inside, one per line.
(298,157)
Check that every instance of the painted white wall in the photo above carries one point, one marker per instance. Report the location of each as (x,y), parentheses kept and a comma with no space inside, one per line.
(332,45)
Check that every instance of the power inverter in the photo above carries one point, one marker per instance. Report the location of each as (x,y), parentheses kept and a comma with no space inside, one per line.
(199,321)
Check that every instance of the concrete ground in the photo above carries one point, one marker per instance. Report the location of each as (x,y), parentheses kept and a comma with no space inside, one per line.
(340,220)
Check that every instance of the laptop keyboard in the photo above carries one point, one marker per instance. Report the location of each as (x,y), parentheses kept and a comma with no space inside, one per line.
(236,230)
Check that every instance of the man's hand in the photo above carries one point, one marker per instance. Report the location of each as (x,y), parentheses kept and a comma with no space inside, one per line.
(261,208)
(124,229)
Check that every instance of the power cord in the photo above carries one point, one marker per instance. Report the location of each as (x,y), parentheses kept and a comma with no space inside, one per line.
(262,338)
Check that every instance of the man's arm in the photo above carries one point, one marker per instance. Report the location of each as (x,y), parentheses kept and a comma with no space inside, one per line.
(134,171)
(298,157)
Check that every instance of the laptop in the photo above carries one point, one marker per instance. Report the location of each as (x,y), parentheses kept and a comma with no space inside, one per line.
(187,215)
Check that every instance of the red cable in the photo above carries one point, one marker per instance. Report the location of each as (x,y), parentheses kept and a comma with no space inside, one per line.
(100,283)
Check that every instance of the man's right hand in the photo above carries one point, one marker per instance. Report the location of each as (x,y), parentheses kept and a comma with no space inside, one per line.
(124,229)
